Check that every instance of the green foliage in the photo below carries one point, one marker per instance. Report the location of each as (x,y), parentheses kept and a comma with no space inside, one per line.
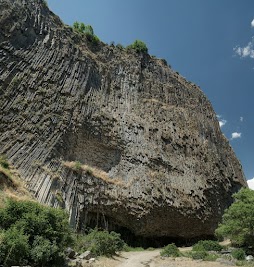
(44,251)
(77,166)
(238,219)
(102,242)
(87,30)
(211,257)
(14,247)
(207,245)
(138,46)
(4,162)
(199,255)
(238,254)
(128,248)
(170,250)
(45,2)
(76,26)
(92,38)
(42,233)
(120,46)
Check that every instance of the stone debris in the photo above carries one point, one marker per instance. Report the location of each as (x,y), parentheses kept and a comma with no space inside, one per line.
(249,258)
(87,255)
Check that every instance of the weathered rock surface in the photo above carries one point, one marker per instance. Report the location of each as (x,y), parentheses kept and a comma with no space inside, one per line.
(155,162)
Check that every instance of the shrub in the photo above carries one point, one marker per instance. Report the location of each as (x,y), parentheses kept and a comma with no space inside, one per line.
(14,247)
(138,46)
(87,30)
(170,250)
(238,254)
(199,255)
(37,229)
(92,38)
(4,162)
(238,219)
(43,251)
(102,242)
(211,257)
(207,245)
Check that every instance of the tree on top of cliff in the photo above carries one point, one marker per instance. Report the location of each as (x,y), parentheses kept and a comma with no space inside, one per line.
(138,46)
(87,30)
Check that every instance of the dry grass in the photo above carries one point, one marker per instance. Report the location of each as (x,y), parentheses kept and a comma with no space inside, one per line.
(93,171)
(12,186)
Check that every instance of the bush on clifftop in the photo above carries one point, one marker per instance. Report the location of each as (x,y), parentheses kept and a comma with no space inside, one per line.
(138,46)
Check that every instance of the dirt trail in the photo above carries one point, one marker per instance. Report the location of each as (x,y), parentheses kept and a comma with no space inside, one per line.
(153,259)
(139,259)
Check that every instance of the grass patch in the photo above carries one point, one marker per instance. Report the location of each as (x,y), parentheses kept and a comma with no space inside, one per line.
(199,255)
(92,171)
(211,257)
(128,248)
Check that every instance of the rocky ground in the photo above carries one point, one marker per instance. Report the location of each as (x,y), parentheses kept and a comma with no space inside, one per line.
(153,259)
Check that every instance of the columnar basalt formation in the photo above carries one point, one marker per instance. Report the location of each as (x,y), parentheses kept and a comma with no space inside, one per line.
(116,137)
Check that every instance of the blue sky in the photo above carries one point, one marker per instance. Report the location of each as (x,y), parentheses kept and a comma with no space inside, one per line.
(208,42)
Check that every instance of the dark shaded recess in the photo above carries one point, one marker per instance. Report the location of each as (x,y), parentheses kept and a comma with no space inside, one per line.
(102,222)
(88,149)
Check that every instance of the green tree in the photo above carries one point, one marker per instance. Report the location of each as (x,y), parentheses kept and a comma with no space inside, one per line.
(76,26)
(14,247)
(89,29)
(42,233)
(238,219)
(138,46)
(82,27)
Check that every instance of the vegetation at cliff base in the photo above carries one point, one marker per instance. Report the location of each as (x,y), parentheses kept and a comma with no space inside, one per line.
(32,233)
(170,250)
(207,245)
(100,242)
(238,220)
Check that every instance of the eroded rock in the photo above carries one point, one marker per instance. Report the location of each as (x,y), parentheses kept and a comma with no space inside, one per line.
(117,138)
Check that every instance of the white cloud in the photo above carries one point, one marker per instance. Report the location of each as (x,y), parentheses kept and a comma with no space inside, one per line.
(241,119)
(251,183)
(236,135)
(246,51)
(222,122)
(252,23)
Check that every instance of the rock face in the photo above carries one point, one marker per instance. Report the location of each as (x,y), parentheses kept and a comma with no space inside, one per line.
(117,138)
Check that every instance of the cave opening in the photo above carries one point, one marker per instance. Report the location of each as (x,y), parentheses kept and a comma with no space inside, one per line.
(102,222)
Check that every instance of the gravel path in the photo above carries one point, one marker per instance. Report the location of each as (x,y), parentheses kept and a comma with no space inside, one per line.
(153,259)
(139,259)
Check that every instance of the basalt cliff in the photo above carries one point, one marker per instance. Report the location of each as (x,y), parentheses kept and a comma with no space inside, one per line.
(115,137)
